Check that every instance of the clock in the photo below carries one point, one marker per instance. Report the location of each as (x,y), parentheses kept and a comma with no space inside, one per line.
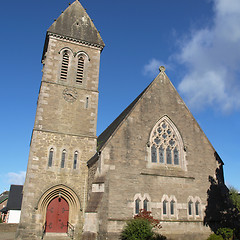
(69,94)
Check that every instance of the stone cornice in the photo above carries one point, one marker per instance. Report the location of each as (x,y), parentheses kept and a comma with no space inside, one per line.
(76,40)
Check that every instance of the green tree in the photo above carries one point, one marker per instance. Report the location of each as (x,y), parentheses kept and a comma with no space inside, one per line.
(235,197)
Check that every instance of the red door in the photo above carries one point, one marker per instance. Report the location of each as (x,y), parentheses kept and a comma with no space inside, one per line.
(57,215)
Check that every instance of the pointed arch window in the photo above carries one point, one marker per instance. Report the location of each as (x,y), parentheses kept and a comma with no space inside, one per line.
(172,203)
(75,160)
(80,69)
(164,207)
(137,206)
(63,158)
(145,205)
(166,145)
(65,65)
(50,157)
(197,208)
(190,207)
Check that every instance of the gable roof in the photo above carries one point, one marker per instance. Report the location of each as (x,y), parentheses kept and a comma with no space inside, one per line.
(15,197)
(75,23)
(106,134)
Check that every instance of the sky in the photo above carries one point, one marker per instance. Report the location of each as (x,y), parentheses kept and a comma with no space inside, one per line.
(197,41)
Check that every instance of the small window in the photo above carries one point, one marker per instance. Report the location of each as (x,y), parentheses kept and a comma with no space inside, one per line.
(190,204)
(145,205)
(172,207)
(75,160)
(50,158)
(63,158)
(80,69)
(197,208)
(161,154)
(87,102)
(64,67)
(164,207)
(137,206)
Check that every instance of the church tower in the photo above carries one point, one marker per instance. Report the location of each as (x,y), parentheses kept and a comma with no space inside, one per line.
(64,134)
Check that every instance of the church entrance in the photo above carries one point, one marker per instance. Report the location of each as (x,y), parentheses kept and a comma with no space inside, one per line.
(57,215)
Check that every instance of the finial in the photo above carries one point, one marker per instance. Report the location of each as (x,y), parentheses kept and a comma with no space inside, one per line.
(162,69)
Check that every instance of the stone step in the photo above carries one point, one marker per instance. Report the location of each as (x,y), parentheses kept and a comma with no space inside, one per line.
(56,236)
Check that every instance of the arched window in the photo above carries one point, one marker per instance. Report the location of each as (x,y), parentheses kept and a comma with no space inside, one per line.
(50,157)
(164,207)
(63,158)
(80,69)
(197,208)
(190,207)
(166,144)
(137,206)
(172,203)
(75,160)
(145,204)
(64,67)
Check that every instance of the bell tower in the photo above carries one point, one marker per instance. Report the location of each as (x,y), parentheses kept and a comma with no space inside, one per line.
(64,133)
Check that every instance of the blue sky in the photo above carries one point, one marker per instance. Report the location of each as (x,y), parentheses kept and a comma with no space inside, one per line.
(197,41)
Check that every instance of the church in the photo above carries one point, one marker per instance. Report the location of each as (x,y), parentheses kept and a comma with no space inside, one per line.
(153,156)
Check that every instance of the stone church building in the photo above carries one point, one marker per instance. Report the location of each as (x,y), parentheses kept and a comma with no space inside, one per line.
(154,155)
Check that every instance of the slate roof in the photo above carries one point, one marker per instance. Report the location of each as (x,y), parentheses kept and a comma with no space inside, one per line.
(4,196)
(15,197)
(75,23)
(106,134)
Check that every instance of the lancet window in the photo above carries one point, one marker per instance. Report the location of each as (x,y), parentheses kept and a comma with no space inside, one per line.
(165,143)
(63,158)
(75,160)
(80,69)
(50,157)
(65,65)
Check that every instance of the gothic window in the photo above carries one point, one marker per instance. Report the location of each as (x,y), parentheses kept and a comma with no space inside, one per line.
(154,154)
(190,205)
(166,145)
(50,157)
(75,160)
(63,158)
(137,206)
(80,69)
(197,208)
(145,205)
(65,65)
(164,207)
(172,207)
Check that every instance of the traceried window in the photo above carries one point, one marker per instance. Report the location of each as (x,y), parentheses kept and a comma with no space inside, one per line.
(63,158)
(75,160)
(165,143)
(80,69)
(65,65)
(50,157)
(137,206)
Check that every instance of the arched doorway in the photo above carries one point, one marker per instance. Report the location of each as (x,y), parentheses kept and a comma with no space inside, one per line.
(57,215)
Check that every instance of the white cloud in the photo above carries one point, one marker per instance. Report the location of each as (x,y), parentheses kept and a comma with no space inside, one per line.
(16,178)
(212,57)
(152,67)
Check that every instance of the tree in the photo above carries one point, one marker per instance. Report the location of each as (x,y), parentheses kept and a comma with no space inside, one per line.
(235,197)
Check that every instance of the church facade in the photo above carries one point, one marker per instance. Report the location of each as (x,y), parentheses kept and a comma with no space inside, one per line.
(154,156)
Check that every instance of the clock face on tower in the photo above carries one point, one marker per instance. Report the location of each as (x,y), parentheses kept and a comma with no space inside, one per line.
(69,94)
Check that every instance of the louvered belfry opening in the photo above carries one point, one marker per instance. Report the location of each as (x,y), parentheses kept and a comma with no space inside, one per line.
(80,68)
(64,68)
